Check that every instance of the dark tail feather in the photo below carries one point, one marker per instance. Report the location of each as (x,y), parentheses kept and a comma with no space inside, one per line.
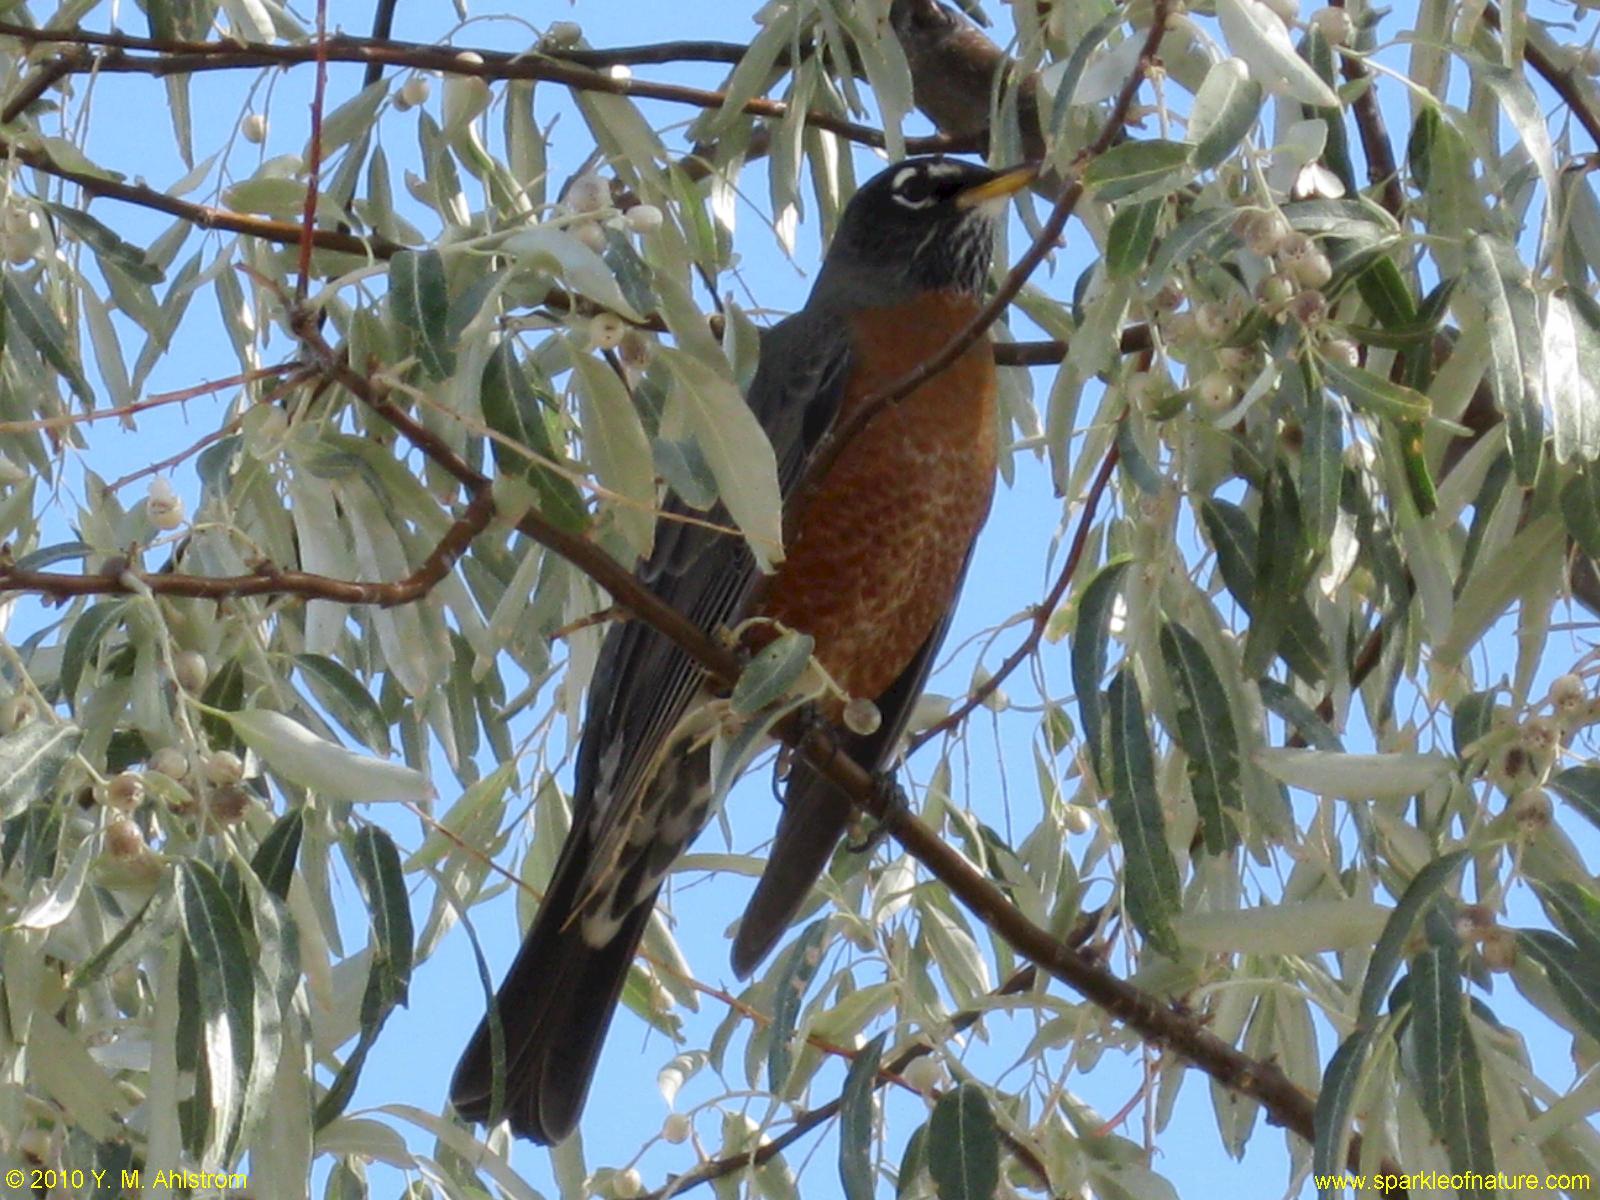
(815,813)
(555,1006)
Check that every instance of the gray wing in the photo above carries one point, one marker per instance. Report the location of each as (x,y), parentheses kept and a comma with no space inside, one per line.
(644,682)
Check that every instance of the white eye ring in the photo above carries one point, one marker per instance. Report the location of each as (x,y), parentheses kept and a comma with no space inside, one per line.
(904,176)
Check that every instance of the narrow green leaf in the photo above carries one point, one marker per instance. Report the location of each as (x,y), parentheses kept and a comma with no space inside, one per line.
(513,408)
(1257,34)
(1384,289)
(274,859)
(376,863)
(1353,776)
(1484,505)
(1195,234)
(1472,717)
(913,1162)
(31,761)
(302,757)
(30,315)
(856,1143)
(1205,731)
(1572,374)
(1066,76)
(351,120)
(224,692)
(1133,232)
(1134,166)
(963,1145)
(1336,1104)
(583,270)
(1580,507)
(1437,1028)
(225,987)
(800,962)
(419,299)
(83,643)
(1224,110)
(1321,463)
(54,906)
(1281,700)
(615,445)
(1233,537)
(1523,109)
(771,673)
(1277,574)
(135,934)
(1150,877)
(1373,393)
(1497,276)
(1575,977)
(106,243)
(346,701)
(1386,955)
(1577,912)
(1091,639)
(1578,786)
(735,449)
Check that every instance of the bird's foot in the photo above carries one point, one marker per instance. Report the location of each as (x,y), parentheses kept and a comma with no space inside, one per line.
(891,801)
(807,720)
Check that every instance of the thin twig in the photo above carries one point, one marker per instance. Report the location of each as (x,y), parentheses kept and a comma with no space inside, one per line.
(41,81)
(158,400)
(308,217)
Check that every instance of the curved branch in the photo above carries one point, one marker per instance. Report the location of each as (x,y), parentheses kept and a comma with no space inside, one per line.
(285,233)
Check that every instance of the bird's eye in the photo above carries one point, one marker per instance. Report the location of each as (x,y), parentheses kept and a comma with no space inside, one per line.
(913,188)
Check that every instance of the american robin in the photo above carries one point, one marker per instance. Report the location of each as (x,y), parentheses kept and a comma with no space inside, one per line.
(876,557)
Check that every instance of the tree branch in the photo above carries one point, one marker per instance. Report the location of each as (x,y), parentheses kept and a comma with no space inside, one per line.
(122,55)
(1382,172)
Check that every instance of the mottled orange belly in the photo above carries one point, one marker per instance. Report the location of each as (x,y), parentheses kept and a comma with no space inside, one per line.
(876,554)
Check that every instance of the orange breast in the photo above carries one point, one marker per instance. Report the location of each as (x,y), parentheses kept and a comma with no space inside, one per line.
(876,554)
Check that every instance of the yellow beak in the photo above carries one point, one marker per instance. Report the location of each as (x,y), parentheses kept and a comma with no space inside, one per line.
(1007,183)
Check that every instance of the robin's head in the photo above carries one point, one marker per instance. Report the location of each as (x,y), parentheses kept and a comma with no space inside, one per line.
(924,224)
